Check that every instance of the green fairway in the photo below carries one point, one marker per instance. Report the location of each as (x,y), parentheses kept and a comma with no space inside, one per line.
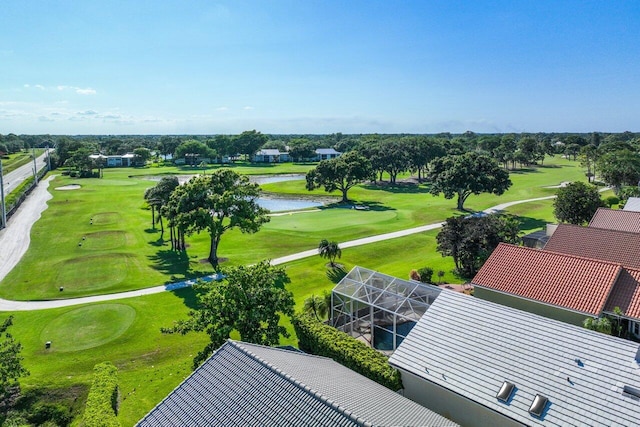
(99,239)
(88,327)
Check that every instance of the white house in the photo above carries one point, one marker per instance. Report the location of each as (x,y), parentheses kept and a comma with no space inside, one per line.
(326,154)
(117,161)
(270,155)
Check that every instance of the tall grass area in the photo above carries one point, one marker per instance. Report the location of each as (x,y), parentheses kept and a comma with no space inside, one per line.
(121,251)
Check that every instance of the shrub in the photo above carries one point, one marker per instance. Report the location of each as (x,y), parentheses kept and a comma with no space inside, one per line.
(413,275)
(426,274)
(323,340)
(612,200)
(58,414)
(102,401)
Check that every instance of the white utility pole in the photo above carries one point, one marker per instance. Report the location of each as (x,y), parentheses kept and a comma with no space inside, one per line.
(4,207)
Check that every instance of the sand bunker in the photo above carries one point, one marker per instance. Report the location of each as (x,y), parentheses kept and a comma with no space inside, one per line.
(69,187)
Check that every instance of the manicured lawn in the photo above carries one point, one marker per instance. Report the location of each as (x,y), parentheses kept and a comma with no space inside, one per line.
(120,251)
(99,239)
(126,333)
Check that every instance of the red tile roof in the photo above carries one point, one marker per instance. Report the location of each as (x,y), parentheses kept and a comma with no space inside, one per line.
(626,294)
(621,247)
(565,281)
(614,219)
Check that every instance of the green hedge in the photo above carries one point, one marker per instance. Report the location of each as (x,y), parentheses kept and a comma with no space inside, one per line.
(323,340)
(102,401)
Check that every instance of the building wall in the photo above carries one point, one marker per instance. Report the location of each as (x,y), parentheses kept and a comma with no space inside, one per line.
(530,306)
(451,405)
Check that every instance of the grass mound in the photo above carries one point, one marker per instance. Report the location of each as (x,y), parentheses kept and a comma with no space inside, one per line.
(88,327)
(105,218)
(93,273)
(104,240)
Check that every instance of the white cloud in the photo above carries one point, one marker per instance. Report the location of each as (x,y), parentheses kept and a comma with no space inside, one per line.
(222,108)
(39,87)
(87,91)
(248,108)
(87,113)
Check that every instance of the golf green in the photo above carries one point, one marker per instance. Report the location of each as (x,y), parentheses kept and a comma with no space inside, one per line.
(87,327)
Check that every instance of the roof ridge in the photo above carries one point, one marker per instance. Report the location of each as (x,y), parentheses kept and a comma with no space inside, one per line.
(310,391)
(607,230)
(561,254)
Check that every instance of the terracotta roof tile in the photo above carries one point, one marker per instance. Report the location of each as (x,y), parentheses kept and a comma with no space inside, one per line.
(626,294)
(567,281)
(613,219)
(621,247)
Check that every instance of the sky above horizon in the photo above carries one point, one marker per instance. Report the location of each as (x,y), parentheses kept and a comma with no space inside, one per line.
(305,67)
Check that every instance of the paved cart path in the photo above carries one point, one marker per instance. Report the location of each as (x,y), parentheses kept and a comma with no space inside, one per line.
(14,242)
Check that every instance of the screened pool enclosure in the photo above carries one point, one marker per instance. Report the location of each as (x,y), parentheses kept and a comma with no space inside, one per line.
(377,308)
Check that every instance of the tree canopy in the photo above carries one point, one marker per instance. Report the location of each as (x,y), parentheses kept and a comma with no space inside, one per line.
(470,240)
(467,174)
(340,173)
(249,300)
(216,203)
(576,203)
(11,368)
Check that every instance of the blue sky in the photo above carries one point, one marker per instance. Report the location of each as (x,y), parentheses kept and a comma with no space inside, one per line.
(204,67)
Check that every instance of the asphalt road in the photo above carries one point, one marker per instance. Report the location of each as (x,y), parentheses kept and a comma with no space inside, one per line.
(14,178)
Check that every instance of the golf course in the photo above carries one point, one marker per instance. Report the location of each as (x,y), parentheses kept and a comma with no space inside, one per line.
(99,239)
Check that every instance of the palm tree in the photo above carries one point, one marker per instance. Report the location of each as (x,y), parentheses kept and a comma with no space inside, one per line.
(317,305)
(330,251)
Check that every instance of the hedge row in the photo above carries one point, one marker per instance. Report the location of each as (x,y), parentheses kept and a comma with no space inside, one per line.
(102,402)
(323,340)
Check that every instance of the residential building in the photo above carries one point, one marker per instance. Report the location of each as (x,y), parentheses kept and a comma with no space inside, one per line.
(485,364)
(268,155)
(559,286)
(245,384)
(632,204)
(621,247)
(326,154)
(116,161)
(616,219)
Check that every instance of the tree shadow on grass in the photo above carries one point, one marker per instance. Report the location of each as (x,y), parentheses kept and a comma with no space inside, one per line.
(398,188)
(173,263)
(189,296)
(528,223)
(335,274)
(364,206)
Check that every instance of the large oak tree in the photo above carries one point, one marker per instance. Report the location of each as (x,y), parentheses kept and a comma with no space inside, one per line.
(340,173)
(467,174)
(216,203)
(248,300)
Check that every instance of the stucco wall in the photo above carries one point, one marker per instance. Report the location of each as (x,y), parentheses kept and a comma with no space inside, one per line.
(451,405)
(530,306)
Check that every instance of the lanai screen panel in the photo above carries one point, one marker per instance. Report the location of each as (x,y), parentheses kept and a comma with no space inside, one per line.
(368,304)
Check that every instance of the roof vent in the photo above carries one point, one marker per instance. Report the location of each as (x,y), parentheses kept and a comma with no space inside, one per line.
(505,391)
(538,405)
(631,391)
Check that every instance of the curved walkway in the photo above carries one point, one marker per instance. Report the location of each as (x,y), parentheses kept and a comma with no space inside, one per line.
(15,241)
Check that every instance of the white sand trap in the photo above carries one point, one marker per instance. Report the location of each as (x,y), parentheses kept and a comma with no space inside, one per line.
(69,187)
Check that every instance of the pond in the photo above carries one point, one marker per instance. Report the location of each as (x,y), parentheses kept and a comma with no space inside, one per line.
(274,204)
(283,205)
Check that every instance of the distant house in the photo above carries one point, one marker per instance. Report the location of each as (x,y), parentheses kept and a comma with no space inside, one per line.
(326,154)
(616,219)
(269,155)
(632,204)
(245,384)
(117,161)
(484,364)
